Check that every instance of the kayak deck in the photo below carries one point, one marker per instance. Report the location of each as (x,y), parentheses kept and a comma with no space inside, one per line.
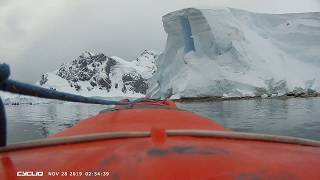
(140,119)
(161,156)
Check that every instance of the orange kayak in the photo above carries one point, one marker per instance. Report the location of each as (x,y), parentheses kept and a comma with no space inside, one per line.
(156,140)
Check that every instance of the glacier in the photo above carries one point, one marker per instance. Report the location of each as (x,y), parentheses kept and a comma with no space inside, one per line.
(228,52)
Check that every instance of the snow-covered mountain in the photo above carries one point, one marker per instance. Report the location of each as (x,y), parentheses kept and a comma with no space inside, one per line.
(231,52)
(99,75)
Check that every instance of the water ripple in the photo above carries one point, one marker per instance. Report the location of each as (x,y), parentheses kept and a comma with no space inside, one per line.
(298,117)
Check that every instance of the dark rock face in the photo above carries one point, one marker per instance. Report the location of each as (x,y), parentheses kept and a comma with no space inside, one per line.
(87,67)
(104,83)
(79,69)
(97,71)
(93,84)
(110,64)
(44,79)
(134,82)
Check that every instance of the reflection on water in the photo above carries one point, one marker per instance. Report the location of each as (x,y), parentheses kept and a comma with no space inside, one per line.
(298,117)
(27,122)
(295,117)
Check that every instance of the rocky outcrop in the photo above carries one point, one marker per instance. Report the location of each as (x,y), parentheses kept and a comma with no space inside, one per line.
(98,72)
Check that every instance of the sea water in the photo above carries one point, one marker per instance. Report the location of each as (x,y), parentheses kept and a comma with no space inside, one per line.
(299,117)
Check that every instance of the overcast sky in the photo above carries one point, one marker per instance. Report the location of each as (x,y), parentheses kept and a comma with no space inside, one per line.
(36,36)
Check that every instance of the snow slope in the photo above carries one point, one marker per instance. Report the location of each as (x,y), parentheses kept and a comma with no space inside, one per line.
(231,52)
(98,75)
(95,75)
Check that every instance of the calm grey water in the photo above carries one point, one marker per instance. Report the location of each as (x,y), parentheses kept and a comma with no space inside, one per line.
(298,117)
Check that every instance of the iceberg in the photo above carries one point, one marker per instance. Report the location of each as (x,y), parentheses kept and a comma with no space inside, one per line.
(229,52)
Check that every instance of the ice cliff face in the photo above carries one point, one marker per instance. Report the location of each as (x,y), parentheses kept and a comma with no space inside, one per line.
(98,75)
(230,52)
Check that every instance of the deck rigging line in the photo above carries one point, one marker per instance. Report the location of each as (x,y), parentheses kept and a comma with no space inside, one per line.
(171,133)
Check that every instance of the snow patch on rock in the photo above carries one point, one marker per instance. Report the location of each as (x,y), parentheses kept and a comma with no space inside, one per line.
(99,75)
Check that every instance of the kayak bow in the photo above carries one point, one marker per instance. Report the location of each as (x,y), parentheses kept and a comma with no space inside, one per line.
(156,140)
